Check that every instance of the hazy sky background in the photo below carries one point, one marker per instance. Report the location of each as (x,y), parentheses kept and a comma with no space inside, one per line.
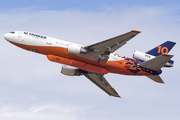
(31,87)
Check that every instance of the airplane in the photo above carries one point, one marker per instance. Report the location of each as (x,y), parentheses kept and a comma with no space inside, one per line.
(96,60)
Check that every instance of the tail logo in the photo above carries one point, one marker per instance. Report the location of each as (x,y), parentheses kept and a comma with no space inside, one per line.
(163,50)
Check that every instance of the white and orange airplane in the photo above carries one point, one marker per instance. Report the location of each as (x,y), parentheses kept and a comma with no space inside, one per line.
(94,61)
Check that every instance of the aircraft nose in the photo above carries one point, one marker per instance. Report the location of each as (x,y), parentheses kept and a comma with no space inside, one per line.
(7,36)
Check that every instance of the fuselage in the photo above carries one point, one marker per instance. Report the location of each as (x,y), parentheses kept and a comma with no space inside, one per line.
(56,49)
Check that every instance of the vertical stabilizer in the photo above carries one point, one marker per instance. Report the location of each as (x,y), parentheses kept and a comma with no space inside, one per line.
(155,78)
(162,49)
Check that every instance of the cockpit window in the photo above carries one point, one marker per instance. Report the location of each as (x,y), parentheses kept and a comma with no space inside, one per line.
(12,32)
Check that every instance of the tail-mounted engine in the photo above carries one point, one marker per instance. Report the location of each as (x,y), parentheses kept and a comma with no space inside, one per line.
(145,57)
(142,56)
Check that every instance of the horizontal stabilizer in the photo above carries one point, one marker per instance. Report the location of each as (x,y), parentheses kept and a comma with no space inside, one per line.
(155,78)
(156,63)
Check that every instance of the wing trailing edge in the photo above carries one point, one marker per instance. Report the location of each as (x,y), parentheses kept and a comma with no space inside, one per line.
(102,83)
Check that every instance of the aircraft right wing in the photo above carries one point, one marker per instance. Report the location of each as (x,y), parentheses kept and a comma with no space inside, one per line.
(101,82)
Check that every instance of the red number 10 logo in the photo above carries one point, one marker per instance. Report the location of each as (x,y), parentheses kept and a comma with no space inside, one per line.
(163,50)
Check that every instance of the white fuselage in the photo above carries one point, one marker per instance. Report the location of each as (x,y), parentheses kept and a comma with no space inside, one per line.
(33,39)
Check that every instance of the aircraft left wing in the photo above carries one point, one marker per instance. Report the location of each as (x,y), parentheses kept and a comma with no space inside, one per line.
(100,51)
(102,83)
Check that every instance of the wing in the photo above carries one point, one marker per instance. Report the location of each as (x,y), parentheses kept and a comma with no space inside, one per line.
(102,83)
(100,51)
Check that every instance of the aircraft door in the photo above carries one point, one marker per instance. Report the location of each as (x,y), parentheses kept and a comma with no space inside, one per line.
(48,41)
(20,34)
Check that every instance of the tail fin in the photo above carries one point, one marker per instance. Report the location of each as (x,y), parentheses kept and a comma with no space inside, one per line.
(162,59)
(162,49)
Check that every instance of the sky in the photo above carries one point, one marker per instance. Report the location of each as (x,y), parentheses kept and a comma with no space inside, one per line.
(31,87)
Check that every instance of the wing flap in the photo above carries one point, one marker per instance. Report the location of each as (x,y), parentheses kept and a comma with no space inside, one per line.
(102,83)
(156,63)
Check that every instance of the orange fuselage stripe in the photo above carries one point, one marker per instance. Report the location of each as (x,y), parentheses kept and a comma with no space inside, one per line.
(118,67)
